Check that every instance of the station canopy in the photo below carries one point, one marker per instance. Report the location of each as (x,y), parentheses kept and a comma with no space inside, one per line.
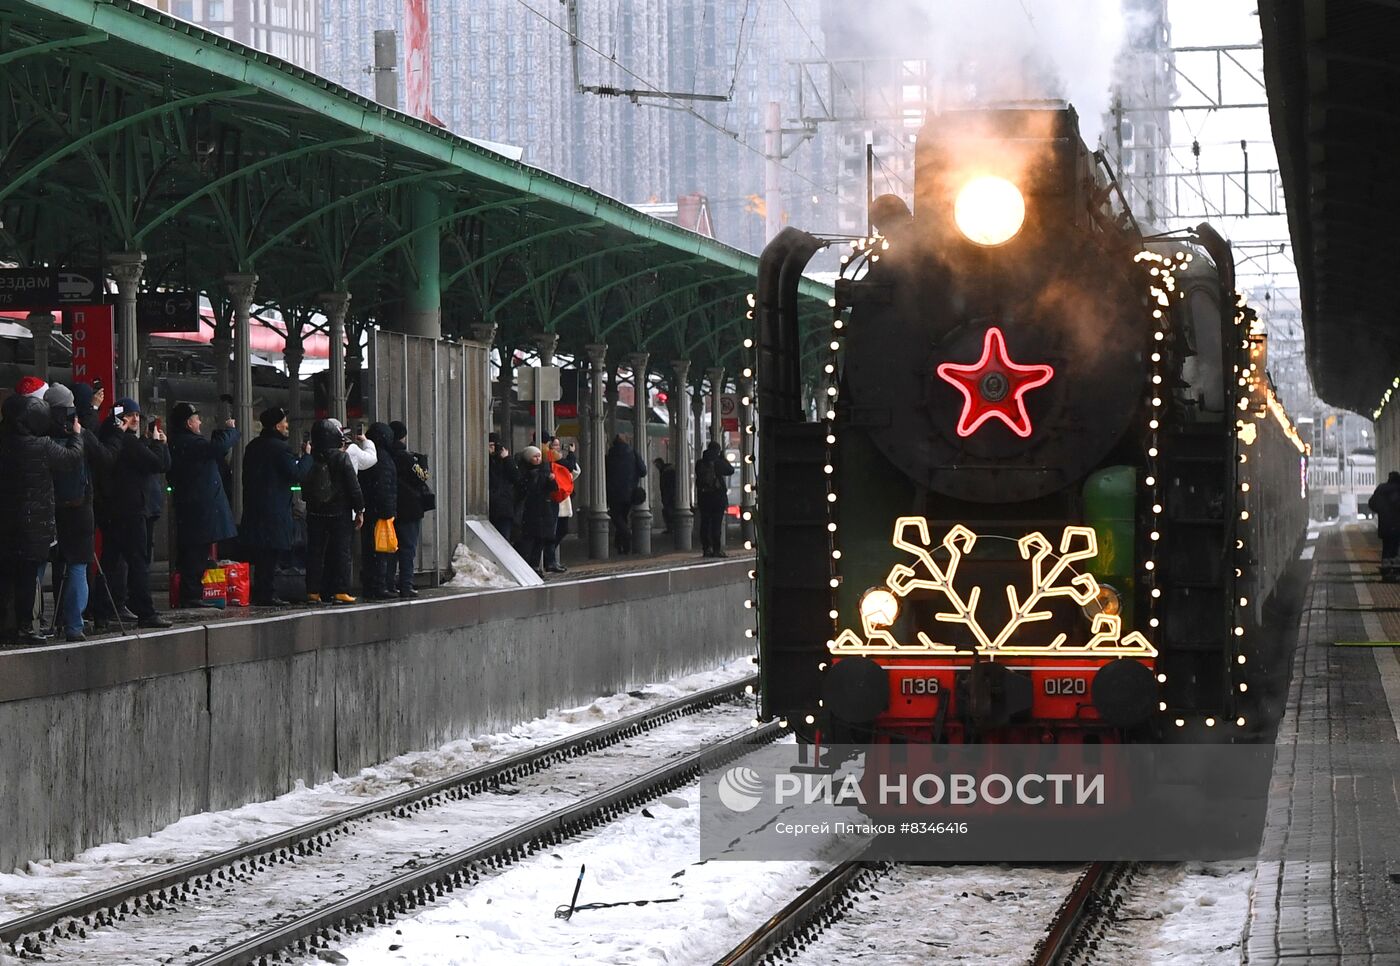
(1331,72)
(124,129)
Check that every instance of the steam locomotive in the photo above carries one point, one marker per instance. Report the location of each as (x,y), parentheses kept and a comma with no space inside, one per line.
(1034,484)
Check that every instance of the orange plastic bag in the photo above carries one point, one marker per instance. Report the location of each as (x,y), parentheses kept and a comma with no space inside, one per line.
(386,539)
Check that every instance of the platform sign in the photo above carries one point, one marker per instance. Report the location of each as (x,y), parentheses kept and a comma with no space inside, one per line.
(41,289)
(167,312)
(94,356)
(729,412)
(547,378)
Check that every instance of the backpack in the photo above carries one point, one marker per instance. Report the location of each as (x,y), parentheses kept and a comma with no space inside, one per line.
(319,487)
(707,478)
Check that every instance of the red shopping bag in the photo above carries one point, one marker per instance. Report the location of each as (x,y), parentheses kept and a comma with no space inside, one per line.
(238,582)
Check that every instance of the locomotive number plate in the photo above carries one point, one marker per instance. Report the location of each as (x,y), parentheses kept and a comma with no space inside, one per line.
(927,685)
(1065,686)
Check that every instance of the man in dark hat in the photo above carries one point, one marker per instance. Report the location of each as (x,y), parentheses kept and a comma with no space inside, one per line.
(122,510)
(270,470)
(502,477)
(202,513)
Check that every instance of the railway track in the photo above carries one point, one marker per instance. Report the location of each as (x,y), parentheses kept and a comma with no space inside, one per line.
(1072,935)
(196,881)
(1080,921)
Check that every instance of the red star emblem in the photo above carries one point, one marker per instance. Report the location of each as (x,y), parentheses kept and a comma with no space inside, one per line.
(995,387)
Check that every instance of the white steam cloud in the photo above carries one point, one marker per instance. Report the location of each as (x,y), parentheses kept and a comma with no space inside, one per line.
(999,50)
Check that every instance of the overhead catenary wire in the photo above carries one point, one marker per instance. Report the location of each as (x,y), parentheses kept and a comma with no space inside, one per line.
(898,138)
(680,103)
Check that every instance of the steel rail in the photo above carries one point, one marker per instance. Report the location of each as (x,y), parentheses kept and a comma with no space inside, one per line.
(380,903)
(161,887)
(822,900)
(1085,903)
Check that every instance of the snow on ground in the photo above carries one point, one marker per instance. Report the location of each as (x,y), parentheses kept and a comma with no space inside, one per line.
(1192,914)
(471,569)
(650,854)
(47,883)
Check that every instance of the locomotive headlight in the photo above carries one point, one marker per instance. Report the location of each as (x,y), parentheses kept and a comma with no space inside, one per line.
(878,607)
(989,211)
(1107,601)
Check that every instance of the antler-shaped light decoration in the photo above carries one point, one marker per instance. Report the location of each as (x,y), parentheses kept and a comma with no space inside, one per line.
(1052,575)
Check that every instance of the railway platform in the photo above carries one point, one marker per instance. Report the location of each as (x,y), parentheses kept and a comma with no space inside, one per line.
(122,735)
(1327,884)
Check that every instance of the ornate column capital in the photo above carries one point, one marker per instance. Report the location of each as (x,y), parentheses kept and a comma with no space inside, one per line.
(126,268)
(38,322)
(334,303)
(597,354)
(715,376)
(637,361)
(546,342)
(242,287)
(484,332)
(681,367)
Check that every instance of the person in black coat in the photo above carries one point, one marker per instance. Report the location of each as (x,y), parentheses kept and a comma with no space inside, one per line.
(666,476)
(540,514)
(625,471)
(335,509)
(202,513)
(31,458)
(270,470)
(712,475)
(503,478)
(380,486)
(414,499)
(124,499)
(75,525)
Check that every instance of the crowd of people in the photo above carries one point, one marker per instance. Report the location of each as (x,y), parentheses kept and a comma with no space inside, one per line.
(70,477)
(531,499)
(81,498)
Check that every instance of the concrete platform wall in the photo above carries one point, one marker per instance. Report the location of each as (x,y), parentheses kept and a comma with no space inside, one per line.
(101,742)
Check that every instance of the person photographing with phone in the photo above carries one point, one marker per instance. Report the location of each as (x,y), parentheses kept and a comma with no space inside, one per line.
(124,513)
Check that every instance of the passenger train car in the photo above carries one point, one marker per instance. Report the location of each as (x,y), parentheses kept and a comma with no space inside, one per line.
(1042,488)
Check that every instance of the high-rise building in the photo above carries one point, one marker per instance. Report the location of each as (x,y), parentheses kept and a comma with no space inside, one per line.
(504,71)
(289,29)
(1137,128)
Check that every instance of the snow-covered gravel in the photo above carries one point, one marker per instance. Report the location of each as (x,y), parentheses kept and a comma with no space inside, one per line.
(47,883)
(1191,914)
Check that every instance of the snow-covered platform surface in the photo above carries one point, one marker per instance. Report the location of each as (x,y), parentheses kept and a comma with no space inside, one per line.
(1327,883)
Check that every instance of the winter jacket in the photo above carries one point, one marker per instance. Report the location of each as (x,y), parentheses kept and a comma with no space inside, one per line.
(668,486)
(570,462)
(540,513)
(717,500)
(503,476)
(134,484)
(1385,504)
(380,483)
(625,470)
(202,512)
(76,528)
(30,458)
(345,496)
(82,402)
(411,486)
(270,470)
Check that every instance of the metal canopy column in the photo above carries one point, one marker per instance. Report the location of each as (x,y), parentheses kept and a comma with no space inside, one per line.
(422,289)
(478,381)
(746,458)
(241,288)
(126,268)
(697,413)
(547,342)
(641,513)
(41,330)
(715,375)
(336,304)
(683,523)
(597,510)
